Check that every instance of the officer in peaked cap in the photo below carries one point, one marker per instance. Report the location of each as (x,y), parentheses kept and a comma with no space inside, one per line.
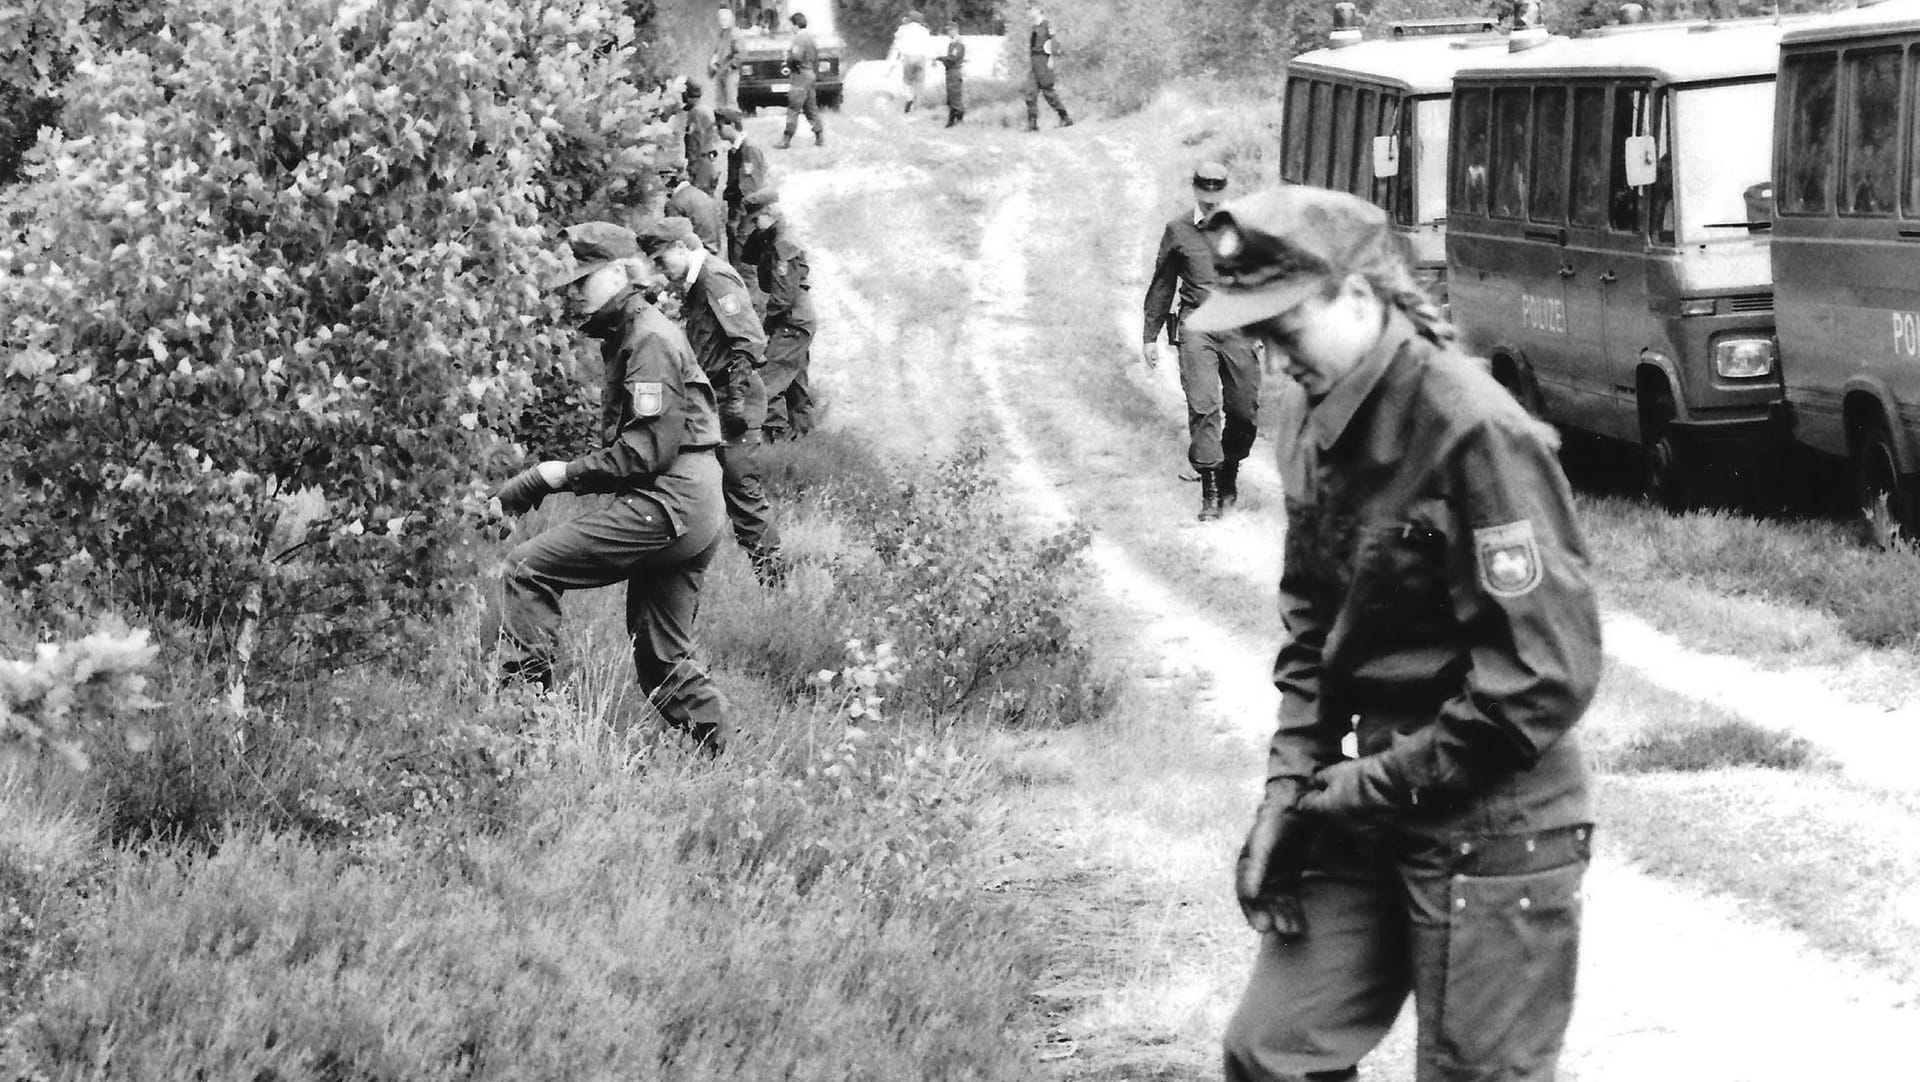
(788,317)
(660,530)
(1438,616)
(1218,370)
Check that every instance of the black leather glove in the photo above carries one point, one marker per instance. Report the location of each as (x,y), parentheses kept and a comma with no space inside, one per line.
(1355,787)
(522,492)
(1267,876)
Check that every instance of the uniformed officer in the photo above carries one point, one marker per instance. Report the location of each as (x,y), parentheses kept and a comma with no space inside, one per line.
(701,141)
(955,62)
(781,265)
(912,45)
(1219,372)
(1438,615)
(686,201)
(730,346)
(746,174)
(724,65)
(802,69)
(662,527)
(1041,50)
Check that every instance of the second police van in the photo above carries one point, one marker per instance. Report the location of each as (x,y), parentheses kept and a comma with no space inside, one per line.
(1607,207)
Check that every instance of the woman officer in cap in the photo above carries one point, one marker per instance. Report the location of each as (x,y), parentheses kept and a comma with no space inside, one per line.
(1439,621)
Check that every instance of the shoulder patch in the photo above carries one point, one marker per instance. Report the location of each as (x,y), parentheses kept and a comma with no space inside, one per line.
(780,268)
(649,398)
(730,305)
(1508,558)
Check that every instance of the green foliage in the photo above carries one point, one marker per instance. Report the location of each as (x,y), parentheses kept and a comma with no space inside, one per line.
(274,305)
(60,700)
(1714,747)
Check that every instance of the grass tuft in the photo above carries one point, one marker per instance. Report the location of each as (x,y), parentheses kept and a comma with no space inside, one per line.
(1715,747)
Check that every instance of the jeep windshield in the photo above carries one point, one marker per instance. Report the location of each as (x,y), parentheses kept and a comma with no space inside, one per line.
(1725,136)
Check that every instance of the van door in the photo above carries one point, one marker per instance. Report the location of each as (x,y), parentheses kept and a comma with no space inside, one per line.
(1528,264)
(1590,253)
(1631,327)
(1582,346)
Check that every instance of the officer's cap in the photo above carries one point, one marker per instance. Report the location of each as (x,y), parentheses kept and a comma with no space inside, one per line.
(798,18)
(663,232)
(761,200)
(1274,249)
(594,245)
(692,92)
(914,17)
(729,115)
(1210,177)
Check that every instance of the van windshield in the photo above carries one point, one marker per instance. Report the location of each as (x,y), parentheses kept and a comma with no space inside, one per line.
(1430,117)
(1725,136)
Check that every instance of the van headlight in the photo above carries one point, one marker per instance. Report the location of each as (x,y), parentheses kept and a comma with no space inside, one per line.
(1743,358)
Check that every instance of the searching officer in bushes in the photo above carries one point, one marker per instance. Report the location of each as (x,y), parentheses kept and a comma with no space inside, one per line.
(780,264)
(1218,371)
(661,529)
(730,347)
(1439,621)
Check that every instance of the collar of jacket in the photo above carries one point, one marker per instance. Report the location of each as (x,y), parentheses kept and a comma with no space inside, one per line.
(1327,421)
(606,323)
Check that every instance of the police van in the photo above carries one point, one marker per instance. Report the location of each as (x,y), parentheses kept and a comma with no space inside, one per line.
(1370,118)
(1846,249)
(1607,211)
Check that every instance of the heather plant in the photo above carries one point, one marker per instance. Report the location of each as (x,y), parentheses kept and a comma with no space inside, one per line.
(273,303)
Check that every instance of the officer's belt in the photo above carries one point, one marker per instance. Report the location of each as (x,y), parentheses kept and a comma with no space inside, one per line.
(1501,854)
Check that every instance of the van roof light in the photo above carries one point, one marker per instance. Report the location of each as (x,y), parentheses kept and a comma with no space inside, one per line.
(1527,30)
(1346,25)
(1413,28)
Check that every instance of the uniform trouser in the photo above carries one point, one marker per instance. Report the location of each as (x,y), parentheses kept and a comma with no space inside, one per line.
(803,99)
(1040,83)
(747,505)
(789,403)
(1483,930)
(629,540)
(915,78)
(1221,377)
(956,100)
(726,89)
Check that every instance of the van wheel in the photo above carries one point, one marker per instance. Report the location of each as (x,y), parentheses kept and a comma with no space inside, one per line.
(1663,461)
(1882,494)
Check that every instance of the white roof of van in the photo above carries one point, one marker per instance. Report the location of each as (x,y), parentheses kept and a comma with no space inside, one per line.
(1422,65)
(1885,17)
(1678,53)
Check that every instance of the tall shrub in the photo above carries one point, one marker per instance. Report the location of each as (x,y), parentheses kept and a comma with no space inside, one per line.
(271,301)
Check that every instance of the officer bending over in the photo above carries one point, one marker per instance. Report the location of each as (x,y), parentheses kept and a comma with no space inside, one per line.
(781,266)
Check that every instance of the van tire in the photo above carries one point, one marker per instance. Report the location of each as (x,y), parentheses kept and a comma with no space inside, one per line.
(1883,495)
(1663,457)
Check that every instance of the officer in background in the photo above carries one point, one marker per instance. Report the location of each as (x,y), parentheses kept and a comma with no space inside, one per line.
(746,174)
(1219,372)
(1438,614)
(955,61)
(730,346)
(724,66)
(686,201)
(781,266)
(662,528)
(1041,50)
(912,45)
(802,70)
(702,142)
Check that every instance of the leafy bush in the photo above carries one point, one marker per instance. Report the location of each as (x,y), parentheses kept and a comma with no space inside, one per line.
(274,305)
(60,699)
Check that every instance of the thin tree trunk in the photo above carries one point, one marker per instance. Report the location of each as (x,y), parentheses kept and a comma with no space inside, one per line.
(243,650)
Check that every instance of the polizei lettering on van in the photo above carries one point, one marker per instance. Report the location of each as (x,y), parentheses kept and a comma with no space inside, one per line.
(1547,314)
(1906,333)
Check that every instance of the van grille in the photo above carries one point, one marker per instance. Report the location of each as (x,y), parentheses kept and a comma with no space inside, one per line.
(1749,302)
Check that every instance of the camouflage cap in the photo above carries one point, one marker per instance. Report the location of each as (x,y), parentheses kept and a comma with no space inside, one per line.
(594,245)
(662,232)
(760,200)
(1274,249)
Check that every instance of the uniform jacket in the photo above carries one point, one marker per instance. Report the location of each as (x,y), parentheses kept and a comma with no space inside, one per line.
(955,61)
(803,59)
(699,208)
(702,140)
(726,53)
(1435,587)
(746,174)
(784,279)
(1185,262)
(729,344)
(656,407)
(912,44)
(1041,49)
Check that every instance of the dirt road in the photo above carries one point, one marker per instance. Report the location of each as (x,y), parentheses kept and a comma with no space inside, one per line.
(988,280)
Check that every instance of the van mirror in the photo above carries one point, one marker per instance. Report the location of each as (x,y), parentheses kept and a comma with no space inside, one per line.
(1386,156)
(1643,160)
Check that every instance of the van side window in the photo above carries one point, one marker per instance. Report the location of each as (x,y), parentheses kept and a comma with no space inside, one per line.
(1400,111)
(1873,124)
(1549,203)
(1293,154)
(1660,192)
(1809,151)
(1319,150)
(1629,119)
(1366,126)
(1341,178)
(1589,156)
(1509,196)
(1470,156)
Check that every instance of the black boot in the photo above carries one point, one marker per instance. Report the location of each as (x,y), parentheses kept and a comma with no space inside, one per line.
(1209,493)
(1229,484)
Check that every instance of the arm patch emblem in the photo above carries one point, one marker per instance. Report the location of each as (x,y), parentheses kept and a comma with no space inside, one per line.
(649,399)
(730,305)
(779,268)
(1508,558)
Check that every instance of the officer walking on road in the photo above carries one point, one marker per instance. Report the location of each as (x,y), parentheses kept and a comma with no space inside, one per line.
(781,266)
(1219,372)
(955,61)
(730,346)
(1041,50)
(724,66)
(1438,616)
(661,529)
(802,70)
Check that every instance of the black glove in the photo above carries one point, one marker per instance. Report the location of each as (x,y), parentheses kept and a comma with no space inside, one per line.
(732,428)
(1356,787)
(1267,876)
(522,492)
